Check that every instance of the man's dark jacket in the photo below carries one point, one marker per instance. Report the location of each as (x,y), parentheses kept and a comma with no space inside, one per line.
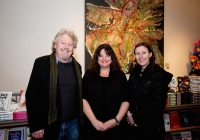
(37,99)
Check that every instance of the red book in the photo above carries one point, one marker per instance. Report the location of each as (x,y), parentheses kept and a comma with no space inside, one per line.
(174,119)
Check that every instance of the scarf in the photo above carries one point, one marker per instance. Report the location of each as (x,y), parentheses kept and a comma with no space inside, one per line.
(52,116)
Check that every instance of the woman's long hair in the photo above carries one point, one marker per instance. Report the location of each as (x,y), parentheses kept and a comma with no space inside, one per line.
(94,65)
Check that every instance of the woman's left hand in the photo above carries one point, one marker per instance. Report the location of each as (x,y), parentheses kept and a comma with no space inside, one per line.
(110,124)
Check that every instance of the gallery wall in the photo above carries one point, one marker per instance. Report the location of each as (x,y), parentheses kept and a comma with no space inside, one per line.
(27,29)
(181,31)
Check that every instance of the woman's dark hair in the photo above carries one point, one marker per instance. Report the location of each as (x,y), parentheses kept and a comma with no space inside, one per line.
(94,65)
(148,46)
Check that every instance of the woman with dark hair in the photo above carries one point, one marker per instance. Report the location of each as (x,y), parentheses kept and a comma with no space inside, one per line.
(149,87)
(105,96)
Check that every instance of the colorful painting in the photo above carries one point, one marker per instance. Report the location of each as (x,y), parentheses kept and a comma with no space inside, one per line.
(123,24)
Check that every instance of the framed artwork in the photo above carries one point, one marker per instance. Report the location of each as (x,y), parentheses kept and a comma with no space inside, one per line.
(122,24)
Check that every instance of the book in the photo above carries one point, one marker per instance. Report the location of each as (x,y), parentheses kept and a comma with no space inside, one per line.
(183,83)
(183,135)
(185,118)
(28,134)
(186,135)
(166,121)
(174,119)
(195,87)
(174,136)
(196,117)
(194,79)
(16,133)
(173,85)
(5,99)
(3,134)
(195,134)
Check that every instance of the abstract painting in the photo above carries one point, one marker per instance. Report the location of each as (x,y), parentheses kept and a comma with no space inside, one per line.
(123,24)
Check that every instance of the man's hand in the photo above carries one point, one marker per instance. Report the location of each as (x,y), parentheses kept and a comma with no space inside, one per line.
(38,134)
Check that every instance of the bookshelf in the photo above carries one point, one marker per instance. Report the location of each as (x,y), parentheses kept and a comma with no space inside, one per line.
(13,123)
(183,129)
(9,127)
(183,107)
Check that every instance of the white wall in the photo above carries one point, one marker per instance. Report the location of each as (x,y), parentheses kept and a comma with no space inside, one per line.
(181,31)
(27,29)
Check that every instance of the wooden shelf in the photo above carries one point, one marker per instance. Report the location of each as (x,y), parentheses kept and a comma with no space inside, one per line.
(183,129)
(13,123)
(180,107)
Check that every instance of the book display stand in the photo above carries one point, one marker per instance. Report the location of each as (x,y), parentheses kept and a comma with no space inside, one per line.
(182,121)
(17,125)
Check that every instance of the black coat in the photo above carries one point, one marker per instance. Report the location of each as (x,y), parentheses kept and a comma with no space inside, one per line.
(149,96)
(37,99)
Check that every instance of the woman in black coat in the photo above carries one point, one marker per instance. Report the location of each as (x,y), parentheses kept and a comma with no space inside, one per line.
(149,85)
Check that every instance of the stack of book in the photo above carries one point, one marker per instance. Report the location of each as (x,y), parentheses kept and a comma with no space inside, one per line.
(195,97)
(174,136)
(19,115)
(7,115)
(178,98)
(186,97)
(183,97)
(184,135)
(171,98)
(5,112)
(195,88)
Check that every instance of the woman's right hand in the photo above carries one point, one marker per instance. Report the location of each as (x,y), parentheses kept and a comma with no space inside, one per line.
(129,119)
(98,125)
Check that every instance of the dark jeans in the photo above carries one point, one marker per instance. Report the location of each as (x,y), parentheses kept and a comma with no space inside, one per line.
(69,131)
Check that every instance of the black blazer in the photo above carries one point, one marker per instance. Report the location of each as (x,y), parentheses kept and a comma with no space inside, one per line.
(37,99)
